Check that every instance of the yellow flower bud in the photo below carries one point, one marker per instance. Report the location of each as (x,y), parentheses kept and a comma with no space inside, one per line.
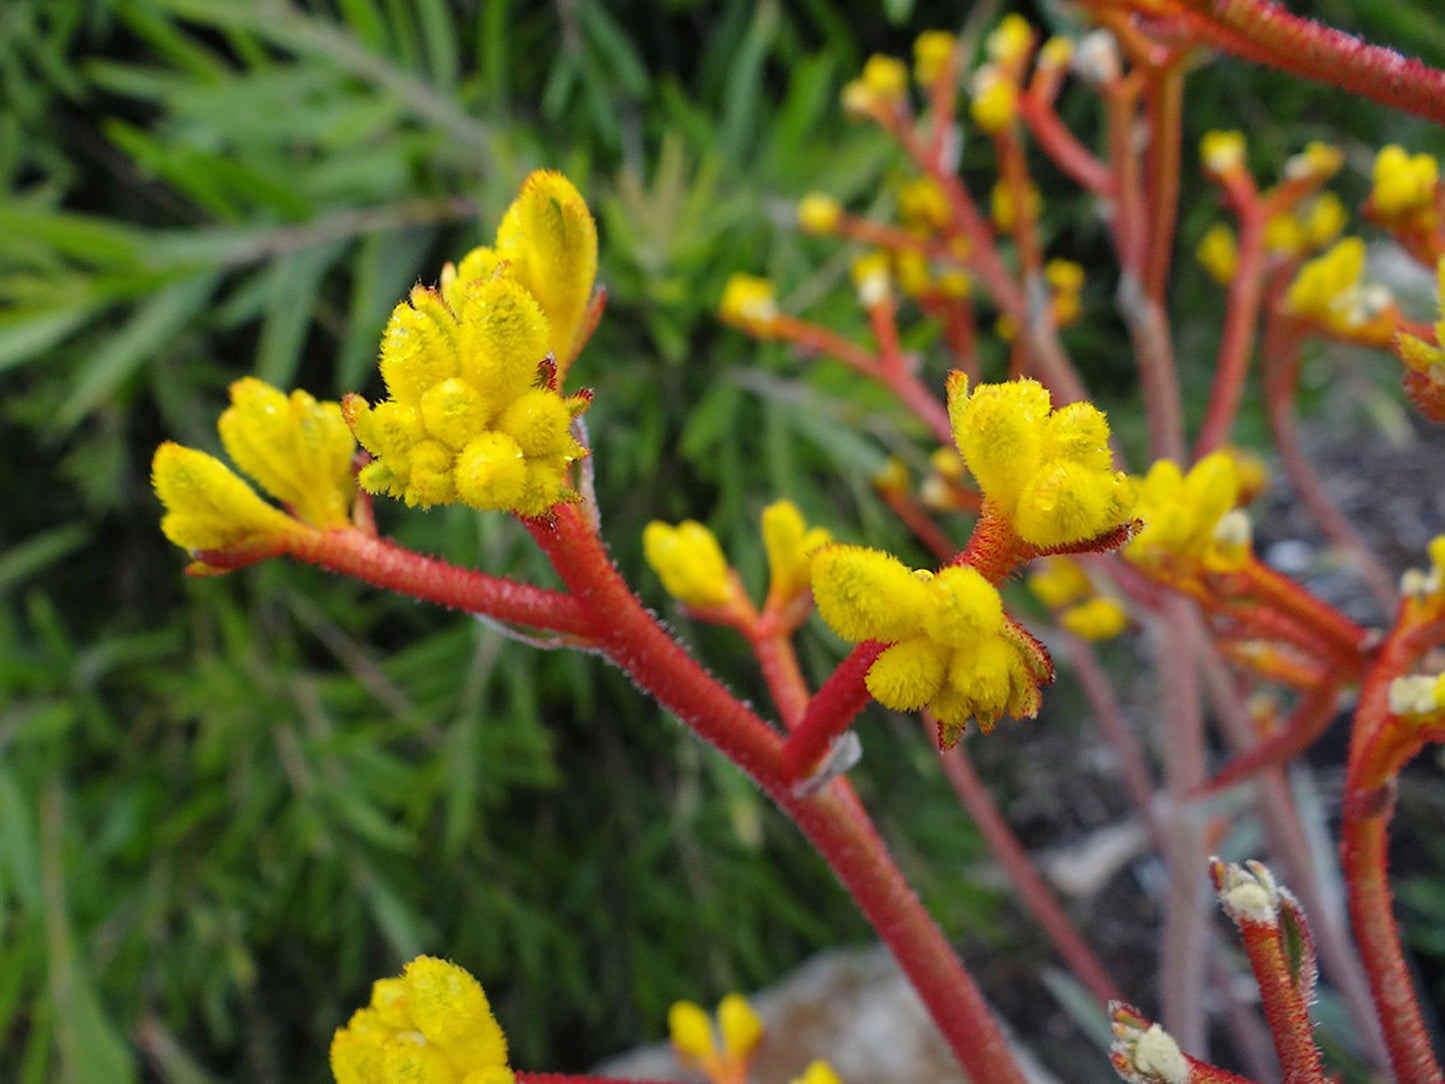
(1057,52)
(298,449)
(1222,152)
(1318,162)
(748,302)
(1218,253)
(818,213)
(1404,183)
(872,277)
(1324,219)
(932,55)
(994,99)
(887,79)
(689,561)
(923,205)
(549,239)
(1097,619)
(207,506)
(1180,512)
(790,546)
(1003,207)
(1008,44)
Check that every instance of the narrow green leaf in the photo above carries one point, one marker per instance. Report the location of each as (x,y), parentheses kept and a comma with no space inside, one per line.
(23,560)
(146,334)
(440,39)
(295,282)
(366,22)
(24,336)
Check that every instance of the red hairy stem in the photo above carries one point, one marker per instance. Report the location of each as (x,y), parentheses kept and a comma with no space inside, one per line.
(1281,370)
(1181,743)
(1305,47)
(1064,149)
(1121,95)
(1312,613)
(1031,887)
(1104,702)
(384,564)
(1241,315)
(831,818)
(1289,846)
(779,664)
(1284,1007)
(1306,723)
(1369,803)
(1166,107)
(1014,173)
(830,712)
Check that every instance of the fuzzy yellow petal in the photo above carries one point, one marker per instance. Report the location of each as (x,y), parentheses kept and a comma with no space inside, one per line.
(741,1027)
(549,238)
(454,412)
(999,431)
(865,594)
(690,1030)
(490,472)
(964,607)
(790,547)
(503,338)
(451,1010)
(1059,581)
(818,1072)
(298,449)
(1066,503)
(208,507)
(907,675)
(419,347)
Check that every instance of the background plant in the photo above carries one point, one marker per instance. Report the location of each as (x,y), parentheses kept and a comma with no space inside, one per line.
(202,796)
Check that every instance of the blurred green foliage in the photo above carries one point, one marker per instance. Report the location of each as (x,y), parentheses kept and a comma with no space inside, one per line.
(227,805)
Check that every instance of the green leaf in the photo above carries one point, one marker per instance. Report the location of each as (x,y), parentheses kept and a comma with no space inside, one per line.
(145,335)
(23,560)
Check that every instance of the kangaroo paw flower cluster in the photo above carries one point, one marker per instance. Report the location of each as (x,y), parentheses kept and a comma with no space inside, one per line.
(432,1025)
(1186,518)
(475,416)
(953,649)
(1048,472)
(298,449)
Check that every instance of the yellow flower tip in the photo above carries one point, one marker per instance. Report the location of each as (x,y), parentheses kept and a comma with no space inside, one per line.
(1008,44)
(1222,153)
(892,477)
(1328,290)
(994,99)
(478,264)
(886,78)
(1231,544)
(689,562)
(923,205)
(819,213)
(1284,234)
(865,594)
(419,345)
(818,1072)
(790,546)
(1318,162)
(749,302)
(1056,53)
(549,238)
(741,1027)
(954,284)
(1066,283)
(690,1031)
(872,278)
(1097,619)
(933,56)
(491,472)
(208,507)
(912,270)
(947,464)
(1218,253)
(503,337)
(999,431)
(433,1025)
(1324,219)
(1059,581)
(1251,474)
(1404,184)
(908,675)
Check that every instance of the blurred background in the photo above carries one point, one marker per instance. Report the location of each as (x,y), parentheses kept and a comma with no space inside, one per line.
(227,805)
